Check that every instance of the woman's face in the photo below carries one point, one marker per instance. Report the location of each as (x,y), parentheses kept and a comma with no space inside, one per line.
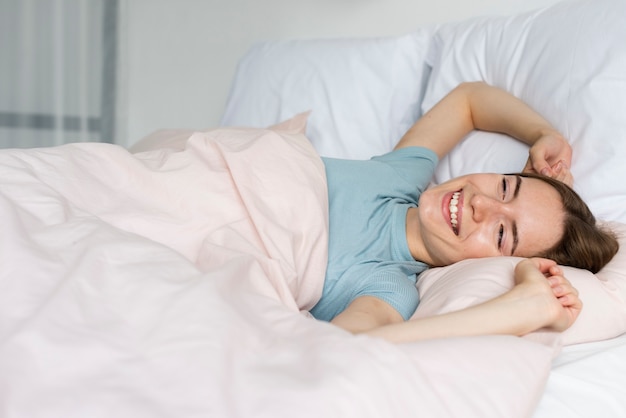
(485,215)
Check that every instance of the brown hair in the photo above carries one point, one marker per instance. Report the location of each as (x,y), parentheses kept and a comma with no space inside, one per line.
(584,244)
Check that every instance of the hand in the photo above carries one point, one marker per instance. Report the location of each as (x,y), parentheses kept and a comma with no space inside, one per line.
(551,155)
(562,303)
(569,304)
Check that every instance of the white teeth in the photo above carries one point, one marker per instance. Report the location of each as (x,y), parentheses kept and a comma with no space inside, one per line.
(454,209)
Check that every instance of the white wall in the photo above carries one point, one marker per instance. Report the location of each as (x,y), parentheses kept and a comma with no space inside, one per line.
(179,56)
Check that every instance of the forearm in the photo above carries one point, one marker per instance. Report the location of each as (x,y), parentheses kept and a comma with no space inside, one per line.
(541,298)
(498,316)
(473,106)
(495,110)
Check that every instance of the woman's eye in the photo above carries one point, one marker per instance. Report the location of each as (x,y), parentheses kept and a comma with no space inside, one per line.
(504,188)
(500,236)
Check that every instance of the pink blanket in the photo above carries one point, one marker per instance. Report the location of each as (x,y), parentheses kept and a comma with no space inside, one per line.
(175,282)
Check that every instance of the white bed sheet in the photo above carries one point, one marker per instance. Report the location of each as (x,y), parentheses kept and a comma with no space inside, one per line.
(587,380)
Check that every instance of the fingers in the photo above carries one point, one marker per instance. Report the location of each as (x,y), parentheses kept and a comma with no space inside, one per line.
(542,264)
(559,298)
(562,173)
(559,171)
(540,163)
(561,287)
(567,298)
(563,290)
(533,270)
(538,166)
(551,155)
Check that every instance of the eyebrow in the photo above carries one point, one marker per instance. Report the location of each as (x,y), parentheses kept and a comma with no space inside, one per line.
(515,234)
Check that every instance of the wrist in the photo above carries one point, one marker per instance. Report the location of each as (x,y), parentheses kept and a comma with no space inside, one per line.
(542,131)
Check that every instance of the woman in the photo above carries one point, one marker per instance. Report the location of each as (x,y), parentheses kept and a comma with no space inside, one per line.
(385,227)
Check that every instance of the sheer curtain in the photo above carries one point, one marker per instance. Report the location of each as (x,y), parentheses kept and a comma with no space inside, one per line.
(57,71)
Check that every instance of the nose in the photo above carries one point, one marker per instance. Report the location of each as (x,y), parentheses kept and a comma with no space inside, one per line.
(484,207)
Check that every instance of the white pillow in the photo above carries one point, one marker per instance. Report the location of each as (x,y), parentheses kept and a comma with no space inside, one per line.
(363,93)
(469,282)
(568,62)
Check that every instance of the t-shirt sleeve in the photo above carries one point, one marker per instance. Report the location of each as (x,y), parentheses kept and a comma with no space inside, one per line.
(396,289)
(415,166)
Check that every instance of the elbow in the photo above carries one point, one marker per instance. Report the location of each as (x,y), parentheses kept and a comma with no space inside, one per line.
(468,87)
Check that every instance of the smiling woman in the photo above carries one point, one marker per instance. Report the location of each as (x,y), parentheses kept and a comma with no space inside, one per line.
(489,215)
(386,227)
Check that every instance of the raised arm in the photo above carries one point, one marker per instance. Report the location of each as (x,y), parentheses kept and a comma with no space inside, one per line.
(478,106)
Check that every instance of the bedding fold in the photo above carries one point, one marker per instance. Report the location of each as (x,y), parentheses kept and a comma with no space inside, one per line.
(176,282)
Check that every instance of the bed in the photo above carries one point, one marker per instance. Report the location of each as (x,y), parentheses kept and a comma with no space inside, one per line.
(175,279)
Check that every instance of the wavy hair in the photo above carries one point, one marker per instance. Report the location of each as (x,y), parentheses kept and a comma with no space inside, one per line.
(584,243)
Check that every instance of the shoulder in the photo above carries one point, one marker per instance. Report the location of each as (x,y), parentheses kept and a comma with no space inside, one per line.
(411,152)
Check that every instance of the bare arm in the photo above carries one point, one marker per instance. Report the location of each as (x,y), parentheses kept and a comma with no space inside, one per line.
(478,106)
(542,298)
(366,313)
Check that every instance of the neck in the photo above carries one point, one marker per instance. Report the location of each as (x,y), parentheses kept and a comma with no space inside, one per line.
(414,237)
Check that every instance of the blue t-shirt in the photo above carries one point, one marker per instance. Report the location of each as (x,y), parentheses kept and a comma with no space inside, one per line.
(368,250)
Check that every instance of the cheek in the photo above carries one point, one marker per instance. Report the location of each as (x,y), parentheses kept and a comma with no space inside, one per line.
(446,252)
(480,244)
(426,198)
(427,208)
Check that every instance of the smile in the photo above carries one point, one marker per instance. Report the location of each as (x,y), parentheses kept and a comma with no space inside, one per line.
(455,212)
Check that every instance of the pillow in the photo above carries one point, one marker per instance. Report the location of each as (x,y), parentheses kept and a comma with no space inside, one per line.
(473,281)
(363,93)
(568,62)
